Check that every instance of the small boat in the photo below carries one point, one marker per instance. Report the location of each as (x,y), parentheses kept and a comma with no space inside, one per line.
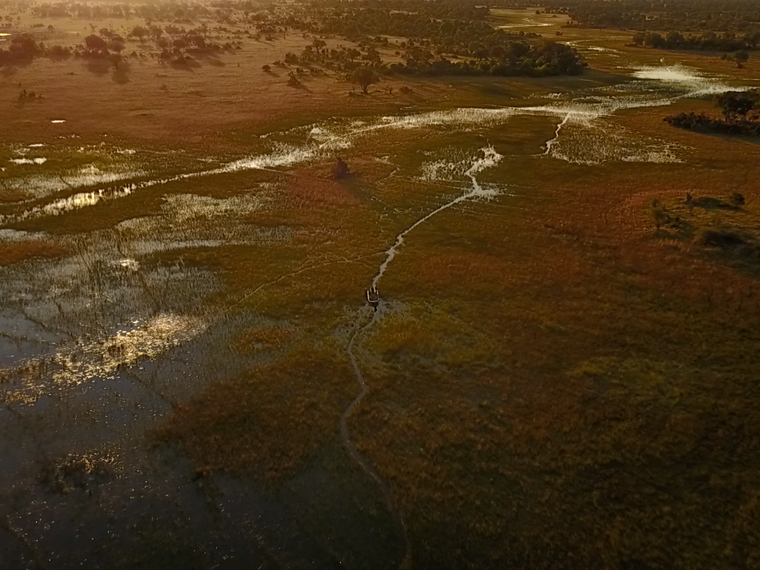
(373,297)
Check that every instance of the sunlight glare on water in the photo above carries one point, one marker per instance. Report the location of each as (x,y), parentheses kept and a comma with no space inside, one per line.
(683,78)
(72,366)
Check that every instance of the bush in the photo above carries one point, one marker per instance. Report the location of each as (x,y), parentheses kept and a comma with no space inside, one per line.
(340,169)
(659,214)
(737,200)
(95,43)
(737,105)
(58,52)
(701,122)
(23,48)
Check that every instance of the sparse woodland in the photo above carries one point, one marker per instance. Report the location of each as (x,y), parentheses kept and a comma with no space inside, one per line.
(407,37)
(737,16)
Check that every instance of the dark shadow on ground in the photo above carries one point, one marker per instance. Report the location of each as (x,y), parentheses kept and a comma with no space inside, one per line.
(99,66)
(11,68)
(709,203)
(121,74)
(184,64)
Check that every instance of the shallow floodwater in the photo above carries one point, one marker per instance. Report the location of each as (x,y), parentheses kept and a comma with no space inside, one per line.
(100,343)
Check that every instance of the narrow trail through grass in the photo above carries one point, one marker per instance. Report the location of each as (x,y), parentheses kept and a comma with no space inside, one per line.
(358,458)
(489,159)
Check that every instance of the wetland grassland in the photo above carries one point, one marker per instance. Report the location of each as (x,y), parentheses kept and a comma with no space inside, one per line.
(562,371)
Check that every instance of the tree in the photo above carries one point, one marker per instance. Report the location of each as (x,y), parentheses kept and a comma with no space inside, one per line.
(447,28)
(658,214)
(737,104)
(741,57)
(737,200)
(139,32)
(364,76)
(116,46)
(675,39)
(23,47)
(95,43)
(266,68)
(340,169)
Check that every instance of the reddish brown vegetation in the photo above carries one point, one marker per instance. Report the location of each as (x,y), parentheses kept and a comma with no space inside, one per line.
(15,252)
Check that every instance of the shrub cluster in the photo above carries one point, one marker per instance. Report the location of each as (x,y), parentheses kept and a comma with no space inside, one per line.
(705,123)
(23,48)
(709,41)
(740,115)
(739,16)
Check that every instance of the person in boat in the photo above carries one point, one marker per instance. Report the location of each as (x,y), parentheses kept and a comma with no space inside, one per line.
(373,297)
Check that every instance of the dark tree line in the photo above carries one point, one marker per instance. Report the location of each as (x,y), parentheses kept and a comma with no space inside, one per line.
(516,58)
(738,16)
(708,41)
(24,48)
(740,110)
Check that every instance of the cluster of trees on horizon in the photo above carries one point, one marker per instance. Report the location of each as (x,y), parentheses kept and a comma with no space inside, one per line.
(431,38)
(514,58)
(708,41)
(738,16)
(737,49)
